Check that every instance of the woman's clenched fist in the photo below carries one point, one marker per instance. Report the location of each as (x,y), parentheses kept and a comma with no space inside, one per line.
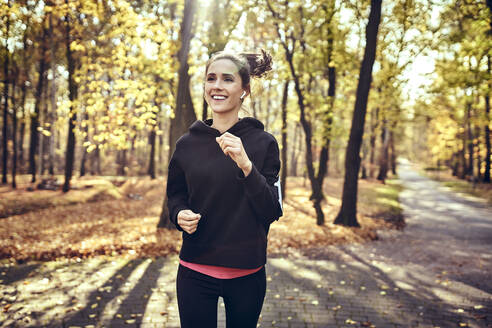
(188,220)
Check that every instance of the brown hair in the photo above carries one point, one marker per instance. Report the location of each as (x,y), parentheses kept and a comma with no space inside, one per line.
(248,64)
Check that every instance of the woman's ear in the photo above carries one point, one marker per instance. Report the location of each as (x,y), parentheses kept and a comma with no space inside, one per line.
(246,92)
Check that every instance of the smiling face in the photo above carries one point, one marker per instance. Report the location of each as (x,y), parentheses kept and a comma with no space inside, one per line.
(223,86)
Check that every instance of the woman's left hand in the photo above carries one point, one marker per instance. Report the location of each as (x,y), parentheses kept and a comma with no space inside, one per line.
(232,146)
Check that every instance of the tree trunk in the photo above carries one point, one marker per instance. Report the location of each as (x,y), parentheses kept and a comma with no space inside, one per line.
(72,118)
(95,167)
(184,114)
(486,175)
(22,128)
(327,121)
(393,152)
(253,105)
(363,164)
(184,111)
(283,176)
(469,141)
(51,116)
(152,139)
(24,77)
(14,133)
(461,157)
(348,212)
(204,110)
(372,140)
(294,152)
(162,127)
(51,144)
(121,158)
(5,152)
(96,161)
(328,118)
(42,122)
(306,125)
(35,117)
(383,159)
(454,164)
(478,176)
(83,161)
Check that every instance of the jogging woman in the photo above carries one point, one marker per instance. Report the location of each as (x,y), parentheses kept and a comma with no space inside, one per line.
(223,193)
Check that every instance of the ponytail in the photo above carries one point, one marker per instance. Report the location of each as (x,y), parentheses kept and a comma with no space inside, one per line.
(259,64)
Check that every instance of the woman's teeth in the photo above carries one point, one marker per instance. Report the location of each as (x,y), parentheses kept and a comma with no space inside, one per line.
(219,97)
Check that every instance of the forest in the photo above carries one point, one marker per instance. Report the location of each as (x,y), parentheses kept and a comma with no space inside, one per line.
(381,112)
(93,88)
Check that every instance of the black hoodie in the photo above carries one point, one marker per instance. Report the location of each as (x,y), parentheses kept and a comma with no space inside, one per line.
(236,211)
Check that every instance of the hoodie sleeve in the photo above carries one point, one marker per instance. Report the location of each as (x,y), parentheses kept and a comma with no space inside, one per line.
(263,187)
(176,191)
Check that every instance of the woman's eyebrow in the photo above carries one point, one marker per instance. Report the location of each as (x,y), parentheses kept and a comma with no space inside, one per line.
(223,74)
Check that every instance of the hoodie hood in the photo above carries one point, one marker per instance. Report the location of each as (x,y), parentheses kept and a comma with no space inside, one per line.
(242,126)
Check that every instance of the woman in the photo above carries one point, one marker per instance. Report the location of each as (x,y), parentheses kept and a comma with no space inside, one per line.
(223,193)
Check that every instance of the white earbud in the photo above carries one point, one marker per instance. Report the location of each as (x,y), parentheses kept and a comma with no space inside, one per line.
(243,95)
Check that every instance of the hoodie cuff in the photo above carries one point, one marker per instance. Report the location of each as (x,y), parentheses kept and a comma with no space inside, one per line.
(254,182)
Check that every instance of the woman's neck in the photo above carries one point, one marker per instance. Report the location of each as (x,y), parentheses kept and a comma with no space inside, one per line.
(223,122)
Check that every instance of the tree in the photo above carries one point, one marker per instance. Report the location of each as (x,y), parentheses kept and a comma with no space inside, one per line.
(283,176)
(184,113)
(14,128)
(34,134)
(488,153)
(289,21)
(347,215)
(6,96)
(72,95)
(462,85)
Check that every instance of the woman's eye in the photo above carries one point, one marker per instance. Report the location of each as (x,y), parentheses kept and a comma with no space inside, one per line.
(228,79)
(210,79)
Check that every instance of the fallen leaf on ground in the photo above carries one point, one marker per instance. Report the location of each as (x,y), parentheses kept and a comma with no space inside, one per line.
(6,307)
(367,324)
(479,316)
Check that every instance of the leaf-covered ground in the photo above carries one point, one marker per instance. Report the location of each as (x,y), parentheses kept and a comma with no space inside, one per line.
(102,218)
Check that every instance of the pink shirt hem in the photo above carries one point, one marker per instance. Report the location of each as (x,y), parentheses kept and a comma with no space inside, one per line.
(218,271)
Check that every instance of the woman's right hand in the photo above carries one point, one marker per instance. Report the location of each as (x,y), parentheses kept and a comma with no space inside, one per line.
(188,220)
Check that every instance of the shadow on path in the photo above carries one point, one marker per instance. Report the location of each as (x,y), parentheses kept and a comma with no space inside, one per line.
(102,296)
(328,294)
(134,305)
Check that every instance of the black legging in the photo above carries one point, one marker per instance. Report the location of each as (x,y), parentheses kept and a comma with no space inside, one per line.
(198,295)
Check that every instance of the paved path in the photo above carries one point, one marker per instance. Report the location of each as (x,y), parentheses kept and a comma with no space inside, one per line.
(436,273)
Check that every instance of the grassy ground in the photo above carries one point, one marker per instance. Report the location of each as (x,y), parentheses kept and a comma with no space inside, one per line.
(102,216)
(444,176)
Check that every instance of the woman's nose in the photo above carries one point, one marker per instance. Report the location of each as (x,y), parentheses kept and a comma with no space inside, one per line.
(218,84)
